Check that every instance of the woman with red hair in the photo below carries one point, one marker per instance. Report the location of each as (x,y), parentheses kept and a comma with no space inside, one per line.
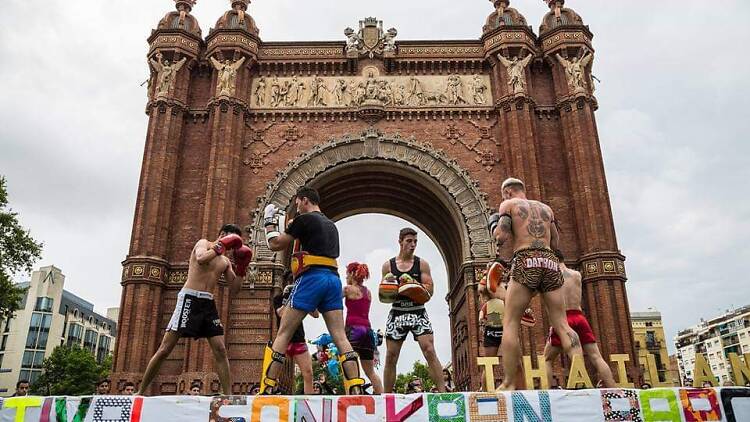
(358,329)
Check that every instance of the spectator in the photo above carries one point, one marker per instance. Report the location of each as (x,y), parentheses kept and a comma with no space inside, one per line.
(317,389)
(415,386)
(22,388)
(325,388)
(195,389)
(434,389)
(128,389)
(254,389)
(707,384)
(102,387)
(727,383)
(450,386)
(645,386)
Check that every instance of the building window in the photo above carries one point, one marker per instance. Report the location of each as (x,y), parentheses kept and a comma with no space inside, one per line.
(38,331)
(4,342)
(89,341)
(649,324)
(103,350)
(43,304)
(75,334)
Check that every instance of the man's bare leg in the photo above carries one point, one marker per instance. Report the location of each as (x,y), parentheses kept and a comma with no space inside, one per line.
(427,344)
(168,342)
(221,361)
(393,350)
(555,302)
(369,367)
(304,361)
(516,301)
(550,354)
(603,371)
(290,320)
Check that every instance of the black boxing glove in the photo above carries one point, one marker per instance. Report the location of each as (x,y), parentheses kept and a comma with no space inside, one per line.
(493,221)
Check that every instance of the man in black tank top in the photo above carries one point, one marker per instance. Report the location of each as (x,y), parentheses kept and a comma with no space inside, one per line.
(406,315)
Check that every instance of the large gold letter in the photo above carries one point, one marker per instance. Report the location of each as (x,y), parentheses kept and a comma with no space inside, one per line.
(741,370)
(489,363)
(532,373)
(622,373)
(702,371)
(578,374)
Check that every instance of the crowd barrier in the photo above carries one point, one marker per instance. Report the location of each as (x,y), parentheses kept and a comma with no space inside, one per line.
(663,404)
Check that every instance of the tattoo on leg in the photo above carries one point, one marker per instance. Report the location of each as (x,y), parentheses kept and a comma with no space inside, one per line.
(574,340)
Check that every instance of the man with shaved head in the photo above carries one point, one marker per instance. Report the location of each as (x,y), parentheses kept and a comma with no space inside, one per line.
(530,227)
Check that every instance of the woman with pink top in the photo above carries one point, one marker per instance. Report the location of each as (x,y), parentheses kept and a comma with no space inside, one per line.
(358,330)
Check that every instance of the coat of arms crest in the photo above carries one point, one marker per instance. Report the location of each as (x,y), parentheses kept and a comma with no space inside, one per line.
(370,40)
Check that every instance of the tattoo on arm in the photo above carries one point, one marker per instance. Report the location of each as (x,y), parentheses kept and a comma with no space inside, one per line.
(506,224)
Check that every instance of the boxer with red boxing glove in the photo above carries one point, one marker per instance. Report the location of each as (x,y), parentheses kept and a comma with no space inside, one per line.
(195,315)
(408,314)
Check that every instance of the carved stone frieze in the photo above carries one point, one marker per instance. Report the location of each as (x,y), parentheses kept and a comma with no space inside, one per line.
(299,92)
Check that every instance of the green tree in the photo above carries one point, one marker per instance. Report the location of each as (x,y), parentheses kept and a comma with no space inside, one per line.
(70,371)
(419,370)
(18,253)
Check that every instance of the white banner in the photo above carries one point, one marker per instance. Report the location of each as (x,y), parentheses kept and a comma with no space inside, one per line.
(664,404)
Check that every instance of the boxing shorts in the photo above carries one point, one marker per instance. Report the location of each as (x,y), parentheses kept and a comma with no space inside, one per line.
(318,288)
(493,336)
(296,348)
(537,269)
(195,315)
(361,339)
(579,324)
(402,322)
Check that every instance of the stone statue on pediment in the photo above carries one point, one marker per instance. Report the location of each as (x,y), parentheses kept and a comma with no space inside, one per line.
(226,82)
(165,73)
(575,70)
(516,70)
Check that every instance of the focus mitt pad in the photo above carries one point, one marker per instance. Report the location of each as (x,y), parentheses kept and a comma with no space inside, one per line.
(388,289)
(413,290)
(495,276)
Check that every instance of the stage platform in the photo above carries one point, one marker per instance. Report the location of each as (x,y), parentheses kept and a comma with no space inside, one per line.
(665,404)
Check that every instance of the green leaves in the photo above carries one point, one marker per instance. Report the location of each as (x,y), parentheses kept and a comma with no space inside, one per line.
(70,371)
(18,253)
(419,370)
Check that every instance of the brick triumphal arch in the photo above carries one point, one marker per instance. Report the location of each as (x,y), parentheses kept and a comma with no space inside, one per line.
(236,122)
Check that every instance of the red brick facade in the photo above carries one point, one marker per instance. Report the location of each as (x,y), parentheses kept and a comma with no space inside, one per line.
(349,118)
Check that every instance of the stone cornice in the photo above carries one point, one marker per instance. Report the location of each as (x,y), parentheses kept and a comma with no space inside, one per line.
(565,35)
(175,39)
(162,104)
(578,101)
(607,265)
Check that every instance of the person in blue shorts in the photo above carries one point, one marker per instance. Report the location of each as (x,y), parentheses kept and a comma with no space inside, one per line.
(315,240)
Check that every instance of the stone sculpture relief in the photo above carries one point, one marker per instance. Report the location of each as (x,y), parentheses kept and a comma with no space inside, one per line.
(575,70)
(226,82)
(165,74)
(370,40)
(390,91)
(516,69)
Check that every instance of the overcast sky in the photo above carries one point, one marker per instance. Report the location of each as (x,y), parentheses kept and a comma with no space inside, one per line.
(673,123)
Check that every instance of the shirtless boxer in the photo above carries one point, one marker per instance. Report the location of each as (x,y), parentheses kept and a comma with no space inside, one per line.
(577,321)
(195,315)
(530,225)
(408,314)
(318,286)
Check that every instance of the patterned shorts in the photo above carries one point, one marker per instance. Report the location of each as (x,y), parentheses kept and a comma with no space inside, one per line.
(400,323)
(537,269)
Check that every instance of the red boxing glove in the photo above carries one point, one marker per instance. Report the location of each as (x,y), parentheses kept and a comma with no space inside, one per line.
(242,258)
(231,241)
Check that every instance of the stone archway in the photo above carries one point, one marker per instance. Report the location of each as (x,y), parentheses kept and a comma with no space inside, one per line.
(374,172)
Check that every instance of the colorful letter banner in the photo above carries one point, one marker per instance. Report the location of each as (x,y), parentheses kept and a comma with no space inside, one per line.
(656,405)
